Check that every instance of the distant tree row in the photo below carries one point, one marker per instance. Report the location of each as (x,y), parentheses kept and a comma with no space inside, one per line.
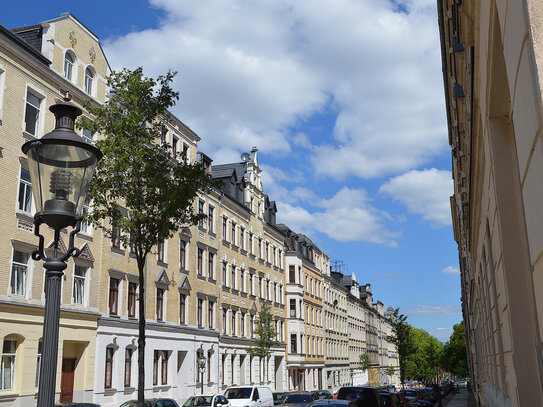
(423,357)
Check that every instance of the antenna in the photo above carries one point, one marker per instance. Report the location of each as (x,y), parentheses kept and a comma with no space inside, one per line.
(339,265)
(245,157)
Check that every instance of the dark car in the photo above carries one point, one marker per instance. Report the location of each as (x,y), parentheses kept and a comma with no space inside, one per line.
(323,394)
(364,396)
(151,403)
(412,397)
(299,398)
(278,396)
(77,404)
(332,403)
(389,400)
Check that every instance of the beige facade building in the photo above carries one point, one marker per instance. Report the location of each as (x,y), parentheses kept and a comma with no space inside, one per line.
(304,299)
(492,56)
(38,65)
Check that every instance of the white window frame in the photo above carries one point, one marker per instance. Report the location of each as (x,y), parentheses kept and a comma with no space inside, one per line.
(85,280)
(27,184)
(86,227)
(26,276)
(92,90)
(40,123)
(73,69)
(12,357)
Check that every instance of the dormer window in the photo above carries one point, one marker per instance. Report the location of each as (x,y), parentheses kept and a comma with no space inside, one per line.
(68,66)
(89,79)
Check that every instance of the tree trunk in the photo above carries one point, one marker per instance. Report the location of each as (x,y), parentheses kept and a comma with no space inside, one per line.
(141,336)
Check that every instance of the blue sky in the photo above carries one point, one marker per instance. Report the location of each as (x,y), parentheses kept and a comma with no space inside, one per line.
(344,99)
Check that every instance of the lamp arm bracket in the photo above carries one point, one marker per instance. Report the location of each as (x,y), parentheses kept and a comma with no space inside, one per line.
(39,254)
(72,250)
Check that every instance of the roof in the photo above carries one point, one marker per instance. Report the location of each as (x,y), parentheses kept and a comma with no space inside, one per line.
(25,45)
(225,170)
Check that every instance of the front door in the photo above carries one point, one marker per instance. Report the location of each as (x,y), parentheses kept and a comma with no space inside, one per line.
(67,380)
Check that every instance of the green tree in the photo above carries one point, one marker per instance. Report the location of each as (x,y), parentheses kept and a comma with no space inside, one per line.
(266,334)
(365,362)
(454,358)
(139,187)
(401,332)
(389,371)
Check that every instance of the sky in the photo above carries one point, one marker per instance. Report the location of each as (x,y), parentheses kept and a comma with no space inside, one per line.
(345,101)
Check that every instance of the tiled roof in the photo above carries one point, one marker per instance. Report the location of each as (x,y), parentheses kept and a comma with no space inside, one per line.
(225,170)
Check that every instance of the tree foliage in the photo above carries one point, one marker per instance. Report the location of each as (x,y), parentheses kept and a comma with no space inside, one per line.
(423,362)
(138,186)
(401,332)
(265,333)
(454,358)
(365,362)
(390,370)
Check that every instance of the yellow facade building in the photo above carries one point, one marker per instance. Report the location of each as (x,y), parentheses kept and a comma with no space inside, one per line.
(38,65)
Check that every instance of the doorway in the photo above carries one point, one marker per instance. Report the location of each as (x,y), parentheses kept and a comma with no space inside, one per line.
(67,380)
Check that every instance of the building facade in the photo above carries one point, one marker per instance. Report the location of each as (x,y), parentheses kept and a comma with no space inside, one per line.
(38,65)
(491,54)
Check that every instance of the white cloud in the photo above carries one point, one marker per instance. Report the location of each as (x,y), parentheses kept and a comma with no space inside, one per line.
(346,217)
(441,334)
(425,193)
(452,270)
(250,71)
(435,310)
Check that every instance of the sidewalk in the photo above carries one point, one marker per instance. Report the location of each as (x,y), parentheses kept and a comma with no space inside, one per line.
(462,398)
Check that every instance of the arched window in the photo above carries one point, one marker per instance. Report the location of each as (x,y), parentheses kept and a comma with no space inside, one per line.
(89,78)
(68,65)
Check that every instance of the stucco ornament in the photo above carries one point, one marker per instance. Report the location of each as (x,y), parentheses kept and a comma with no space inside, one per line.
(73,39)
(92,54)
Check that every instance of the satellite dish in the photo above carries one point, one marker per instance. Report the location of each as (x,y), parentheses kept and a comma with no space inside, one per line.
(245,157)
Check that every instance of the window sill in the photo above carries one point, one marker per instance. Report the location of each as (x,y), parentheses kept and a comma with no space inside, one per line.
(85,236)
(226,243)
(201,277)
(162,264)
(28,136)
(117,250)
(161,388)
(243,251)
(183,271)
(110,392)
(212,280)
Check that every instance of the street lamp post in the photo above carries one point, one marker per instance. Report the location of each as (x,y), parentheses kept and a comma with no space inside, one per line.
(61,165)
(202,366)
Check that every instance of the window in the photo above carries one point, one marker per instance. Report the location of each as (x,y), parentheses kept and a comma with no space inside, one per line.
(242,280)
(224,220)
(201,205)
(250,243)
(38,363)
(224,312)
(293,345)
(210,219)
(274,256)
(89,79)
(267,251)
(132,295)
(80,273)
(210,306)
(233,278)
(210,260)
(7,368)
(233,232)
(127,366)
(159,303)
(109,368)
(164,367)
(19,272)
(183,254)
(293,308)
(242,325)
(251,290)
(85,224)
(88,136)
(185,153)
(200,262)
(242,238)
(224,274)
(233,326)
(113,295)
(68,66)
(182,308)
(25,191)
(160,251)
(260,248)
(252,326)
(175,142)
(32,113)
(199,314)
(116,237)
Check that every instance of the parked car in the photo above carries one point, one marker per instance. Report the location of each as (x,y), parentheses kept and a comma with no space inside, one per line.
(323,394)
(364,396)
(332,403)
(298,398)
(249,396)
(278,396)
(205,400)
(389,400)
(403,400)
(151,403)
(412,397)
(77,404)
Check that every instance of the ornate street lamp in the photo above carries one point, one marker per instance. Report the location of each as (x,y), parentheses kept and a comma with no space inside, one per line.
(61,165)
(202,366)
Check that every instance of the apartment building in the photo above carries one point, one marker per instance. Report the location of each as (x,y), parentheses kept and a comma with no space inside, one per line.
(305,329)
(38,65)
(337,372)
(251,272)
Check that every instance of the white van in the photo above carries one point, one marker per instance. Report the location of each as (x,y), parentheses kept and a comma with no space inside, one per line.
(249,396)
